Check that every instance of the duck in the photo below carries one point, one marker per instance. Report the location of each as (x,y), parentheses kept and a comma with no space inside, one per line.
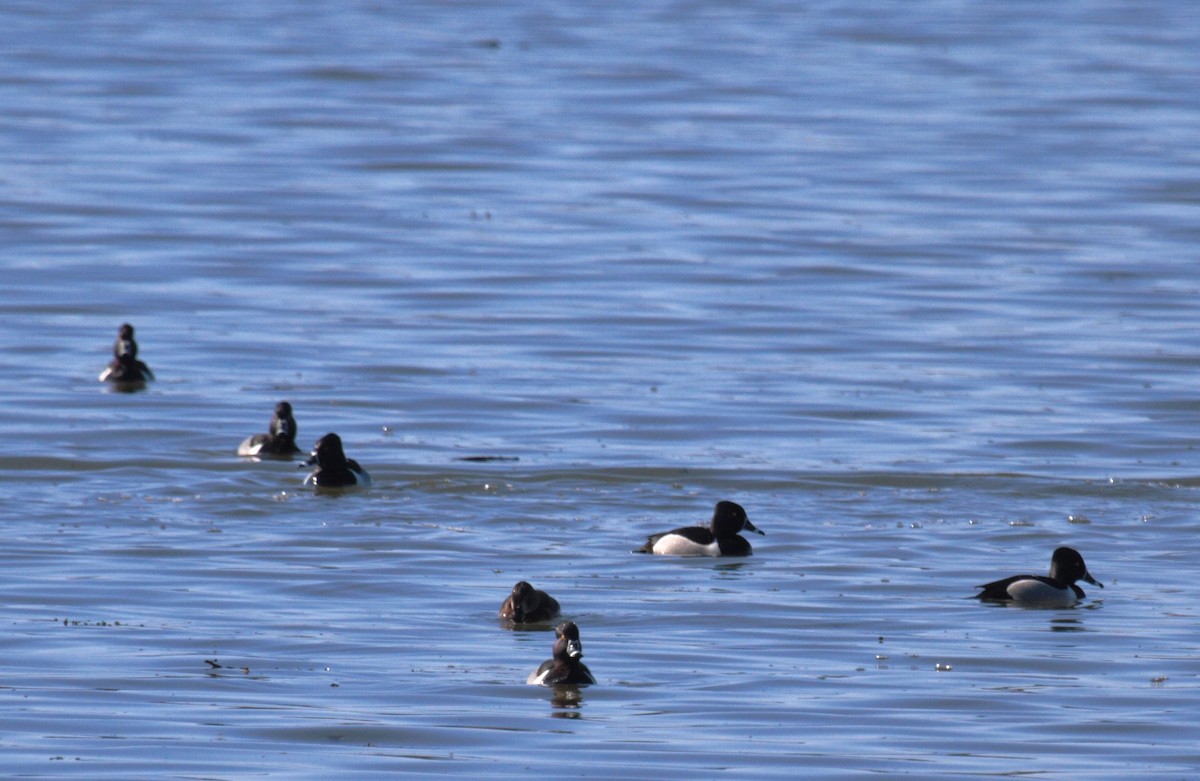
(719,538)
(125,368)
(334,470)
(1056,590)
(528,605)
(565,667)
(280,439)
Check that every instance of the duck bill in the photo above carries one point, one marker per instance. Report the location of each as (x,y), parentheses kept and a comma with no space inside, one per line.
(574,649)
(752,528)
(312,459)
(1088,577)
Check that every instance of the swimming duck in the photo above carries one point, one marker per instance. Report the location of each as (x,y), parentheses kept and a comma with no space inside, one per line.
(334,470)
(565,667)
(526,604)
(719,538)
(280,439)
(125,368)
(1057,590)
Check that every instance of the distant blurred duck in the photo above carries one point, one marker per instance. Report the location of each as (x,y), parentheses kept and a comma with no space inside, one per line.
(719,538)
(1057,590)
(334,470)
(565,667)
(125,368)
(280,440)
(527,605)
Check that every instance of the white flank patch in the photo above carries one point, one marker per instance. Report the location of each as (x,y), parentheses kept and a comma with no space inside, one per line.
(1035,592)
(249,447)
(678,545)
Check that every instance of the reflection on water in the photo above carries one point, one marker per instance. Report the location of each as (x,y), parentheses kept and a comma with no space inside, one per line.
(1066,625)
(566,700)
(728,569)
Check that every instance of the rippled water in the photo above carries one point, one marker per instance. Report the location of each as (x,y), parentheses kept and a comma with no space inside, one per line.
(915,285)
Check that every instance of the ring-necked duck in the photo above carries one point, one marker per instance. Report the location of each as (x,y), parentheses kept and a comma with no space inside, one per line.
(720,538)
(1057,590)
(526,604)
(280,439)
(565,667)
(334,470)
(125,368)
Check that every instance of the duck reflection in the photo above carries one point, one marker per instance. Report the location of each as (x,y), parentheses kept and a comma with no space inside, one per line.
(1067,625)
(566,699)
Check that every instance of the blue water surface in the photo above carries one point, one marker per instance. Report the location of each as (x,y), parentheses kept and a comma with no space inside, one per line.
(915,285)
